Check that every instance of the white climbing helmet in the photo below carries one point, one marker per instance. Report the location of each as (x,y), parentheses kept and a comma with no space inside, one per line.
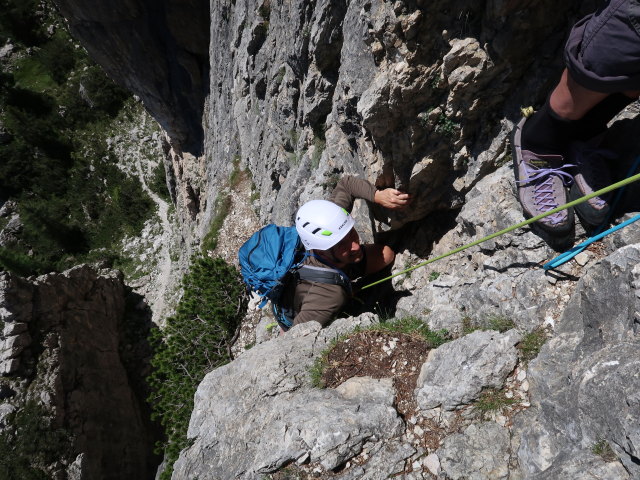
(321,224)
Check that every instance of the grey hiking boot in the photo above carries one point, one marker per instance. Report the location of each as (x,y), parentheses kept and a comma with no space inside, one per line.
(541,181)
(592,174)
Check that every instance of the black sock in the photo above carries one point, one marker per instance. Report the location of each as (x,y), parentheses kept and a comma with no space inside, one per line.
(547,133)
(596,120)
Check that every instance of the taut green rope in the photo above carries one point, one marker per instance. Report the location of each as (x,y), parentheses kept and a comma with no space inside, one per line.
(598,193)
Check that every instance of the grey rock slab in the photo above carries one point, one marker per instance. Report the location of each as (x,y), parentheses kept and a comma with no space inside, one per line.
(585,380)
(456,372)
(585,466)
(376,390)
(13,346)
(9,366)
(14,328)
(385,461)
(479,453)
(6,409)
(253,416)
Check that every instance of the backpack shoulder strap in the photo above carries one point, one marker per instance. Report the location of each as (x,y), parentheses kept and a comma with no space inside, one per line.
(331,276)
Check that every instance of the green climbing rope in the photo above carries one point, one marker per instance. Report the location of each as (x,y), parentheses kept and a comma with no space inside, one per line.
(598,193)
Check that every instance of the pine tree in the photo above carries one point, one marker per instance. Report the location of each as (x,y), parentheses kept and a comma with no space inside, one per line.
(196,340)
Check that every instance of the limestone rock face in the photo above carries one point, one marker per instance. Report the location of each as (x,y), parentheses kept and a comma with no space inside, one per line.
(417,95)
(157,50)
(62,344)
(404,94)
(585,381)
(578,392)
(261,415)
(478,360)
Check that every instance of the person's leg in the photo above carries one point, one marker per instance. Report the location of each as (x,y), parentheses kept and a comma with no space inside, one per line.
(572,113)
(601,56)
(571,101)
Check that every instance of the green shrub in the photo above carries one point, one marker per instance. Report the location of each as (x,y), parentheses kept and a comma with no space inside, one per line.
(468,325)
(18,21)
(414,326)
(158,184)
(491,322)
(196,340)
(31,444)
(236,175)
(604,450)
(20,263)
(446,126)
(58,107)
(31,74)
(58,57)
(319,145)
(320,363)
(500,323)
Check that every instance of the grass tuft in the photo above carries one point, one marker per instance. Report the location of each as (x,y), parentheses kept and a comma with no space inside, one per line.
(222,209)
(604,450)
(492,400)
(492,322)
(531,344)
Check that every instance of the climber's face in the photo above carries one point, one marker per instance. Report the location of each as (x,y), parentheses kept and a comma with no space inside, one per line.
(348,250)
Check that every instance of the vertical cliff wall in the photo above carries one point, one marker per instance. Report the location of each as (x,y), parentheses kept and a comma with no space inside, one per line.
(409,94)
(65,344)
(156,49)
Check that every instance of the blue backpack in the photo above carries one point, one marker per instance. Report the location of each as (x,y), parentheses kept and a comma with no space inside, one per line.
(274,256)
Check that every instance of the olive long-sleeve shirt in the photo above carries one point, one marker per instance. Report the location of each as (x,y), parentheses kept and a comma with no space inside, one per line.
(321,302)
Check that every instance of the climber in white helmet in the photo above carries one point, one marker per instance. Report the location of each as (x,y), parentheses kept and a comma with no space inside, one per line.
(327,231)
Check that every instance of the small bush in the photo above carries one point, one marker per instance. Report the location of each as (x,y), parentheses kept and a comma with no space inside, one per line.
(414,326)
(492,322)
(319,145)
(196,340)
(320,364)
(58,57)
(18,21)
(500,323)
(235,177)
(158,184)
(264,10)
(72,198)
(446,126)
